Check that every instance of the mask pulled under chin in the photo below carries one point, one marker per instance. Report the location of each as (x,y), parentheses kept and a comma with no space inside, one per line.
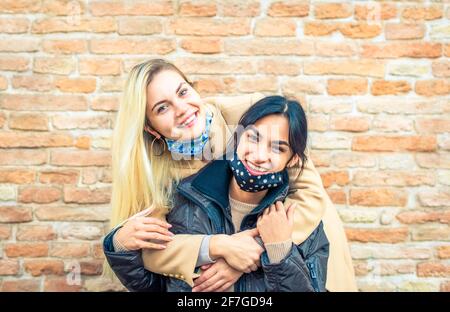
(253,183)
(191,147)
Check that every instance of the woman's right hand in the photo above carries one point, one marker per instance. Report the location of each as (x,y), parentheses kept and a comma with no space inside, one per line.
(144,232)
(241,251)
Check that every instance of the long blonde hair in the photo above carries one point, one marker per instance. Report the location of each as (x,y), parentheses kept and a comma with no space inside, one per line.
(141,178)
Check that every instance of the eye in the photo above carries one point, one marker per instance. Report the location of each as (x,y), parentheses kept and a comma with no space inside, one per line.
(277,149)
(253,138)
(183,92)
(162,108)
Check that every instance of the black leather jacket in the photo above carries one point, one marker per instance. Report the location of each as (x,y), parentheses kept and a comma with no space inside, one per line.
(201,206)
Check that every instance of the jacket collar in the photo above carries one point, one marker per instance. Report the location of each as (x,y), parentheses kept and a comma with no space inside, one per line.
(213,183)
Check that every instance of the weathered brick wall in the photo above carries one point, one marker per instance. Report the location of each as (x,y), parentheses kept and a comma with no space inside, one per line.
(374,77)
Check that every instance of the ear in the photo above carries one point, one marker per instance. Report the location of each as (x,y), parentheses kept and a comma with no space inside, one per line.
(294,161)
(148,129)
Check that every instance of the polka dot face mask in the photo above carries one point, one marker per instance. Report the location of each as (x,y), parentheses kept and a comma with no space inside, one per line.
(253,183)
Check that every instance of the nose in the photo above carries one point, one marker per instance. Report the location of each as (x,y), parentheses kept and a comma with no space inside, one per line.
(262,155)
(181,107)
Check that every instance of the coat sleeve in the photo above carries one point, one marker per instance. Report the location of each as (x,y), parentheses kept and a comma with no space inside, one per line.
(178,259)
(129,268)
(304,269)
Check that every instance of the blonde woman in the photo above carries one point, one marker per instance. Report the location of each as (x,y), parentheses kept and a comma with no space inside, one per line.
(165,132)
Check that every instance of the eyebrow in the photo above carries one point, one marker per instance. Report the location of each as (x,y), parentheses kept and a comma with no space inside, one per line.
(176,91)
(275,142)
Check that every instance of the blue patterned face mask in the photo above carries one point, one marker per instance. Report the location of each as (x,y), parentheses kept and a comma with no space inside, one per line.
(253,183)
(191,147)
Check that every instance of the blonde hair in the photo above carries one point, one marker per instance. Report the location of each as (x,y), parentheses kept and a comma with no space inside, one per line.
(141,178)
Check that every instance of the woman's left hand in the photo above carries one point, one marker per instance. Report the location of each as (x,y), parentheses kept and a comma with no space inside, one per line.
(218,277)
(276,223)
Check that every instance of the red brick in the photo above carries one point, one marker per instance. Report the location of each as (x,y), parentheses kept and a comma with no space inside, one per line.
(441,69)
(418,217)
(26,250)
(71,214)
(105,103)
(197,8)
(43,102)
(81,158)
(139,26)
(338,197)
(393,178)
(35,233)
(435,125)
(39,195)
(69,250)
(17,176)
(396,50)
(377,197)
(238,8)
(60,284)
(22,285)
(329,178)
(99,66)
(383,87)
(275,27)
(360,30)
(5,231)
(385,235)
(375,11)
(87,196)
(433,87)
(210,27)
(404,31)
(59,177)
(444,252)
(352,124)
(132,46)
(23,157)
(26,121)
(288,8)
(435,198)
(65,25)
(394,143)
(14,25)
(202,45)
(347,86)
(113,8)
(9,267)
(319,29)
(15,214)
(16,139)
(433,269)
(77,85)
(14,63)
(91,267)
(422,13)
(332,10)
(64,46)
(44,267)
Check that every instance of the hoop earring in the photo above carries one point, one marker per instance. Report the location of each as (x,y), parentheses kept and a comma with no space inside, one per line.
(164,145)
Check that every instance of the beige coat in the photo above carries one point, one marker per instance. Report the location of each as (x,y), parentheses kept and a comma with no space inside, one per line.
(313,205)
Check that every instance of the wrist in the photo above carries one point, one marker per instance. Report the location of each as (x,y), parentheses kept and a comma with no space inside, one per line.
(217,246)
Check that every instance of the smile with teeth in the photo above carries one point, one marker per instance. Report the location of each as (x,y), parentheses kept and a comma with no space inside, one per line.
(189,122)
(256,168)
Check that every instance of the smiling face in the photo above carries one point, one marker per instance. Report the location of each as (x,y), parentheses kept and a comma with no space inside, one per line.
(174,108)
(264,147)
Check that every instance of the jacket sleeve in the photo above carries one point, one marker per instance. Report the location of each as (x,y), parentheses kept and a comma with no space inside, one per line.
(178,259)
(129,268)
(304,269)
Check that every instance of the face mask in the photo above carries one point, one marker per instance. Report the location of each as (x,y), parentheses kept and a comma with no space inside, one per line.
(253,183)
(190,147)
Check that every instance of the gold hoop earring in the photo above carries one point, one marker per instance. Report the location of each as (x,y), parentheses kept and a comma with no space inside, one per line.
(164,147)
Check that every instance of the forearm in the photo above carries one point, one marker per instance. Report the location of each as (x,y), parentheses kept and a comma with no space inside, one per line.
(177,260)
(311,199)
(129,268)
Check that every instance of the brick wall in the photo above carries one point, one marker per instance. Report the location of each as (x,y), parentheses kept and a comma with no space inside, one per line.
(374,77)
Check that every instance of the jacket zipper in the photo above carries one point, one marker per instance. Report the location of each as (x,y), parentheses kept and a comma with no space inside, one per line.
(313,274)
